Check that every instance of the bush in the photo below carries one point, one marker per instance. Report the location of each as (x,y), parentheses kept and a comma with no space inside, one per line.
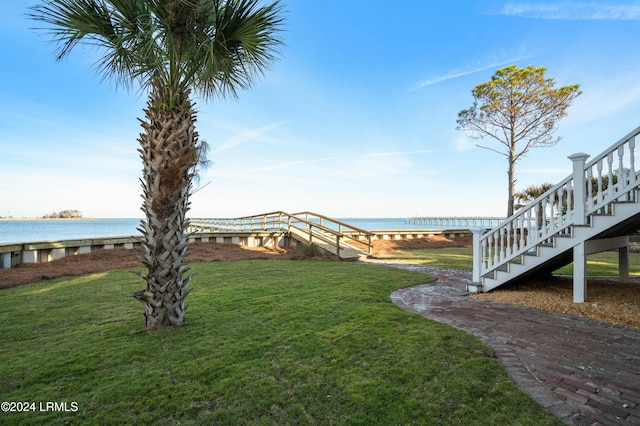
(308,250)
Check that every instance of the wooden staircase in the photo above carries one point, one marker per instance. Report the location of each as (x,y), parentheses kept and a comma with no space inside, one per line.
(594,209)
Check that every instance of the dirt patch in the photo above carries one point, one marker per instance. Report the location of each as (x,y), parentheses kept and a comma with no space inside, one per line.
(433,242)
(119,258)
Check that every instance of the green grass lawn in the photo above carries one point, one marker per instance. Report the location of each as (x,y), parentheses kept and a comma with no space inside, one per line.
(267,342)
(605,264)
(452,258)
(598,264)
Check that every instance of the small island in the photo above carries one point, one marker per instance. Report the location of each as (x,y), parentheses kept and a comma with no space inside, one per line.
(64,214)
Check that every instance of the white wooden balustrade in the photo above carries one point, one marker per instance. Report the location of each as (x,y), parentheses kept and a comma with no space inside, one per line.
(562,219)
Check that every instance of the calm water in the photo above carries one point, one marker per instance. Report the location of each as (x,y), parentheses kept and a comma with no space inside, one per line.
(23,231)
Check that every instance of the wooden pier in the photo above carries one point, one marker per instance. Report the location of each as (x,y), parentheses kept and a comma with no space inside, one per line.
(456,222)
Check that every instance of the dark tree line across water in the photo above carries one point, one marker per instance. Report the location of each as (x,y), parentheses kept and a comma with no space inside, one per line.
(64,214)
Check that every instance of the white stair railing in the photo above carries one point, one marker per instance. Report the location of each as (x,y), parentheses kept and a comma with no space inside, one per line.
(591,189)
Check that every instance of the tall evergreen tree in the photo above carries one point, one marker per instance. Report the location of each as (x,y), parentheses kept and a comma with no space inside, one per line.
(518,109)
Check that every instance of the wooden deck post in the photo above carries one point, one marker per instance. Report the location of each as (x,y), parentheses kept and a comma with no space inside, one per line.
(585,248)
(623,264)
(5,260)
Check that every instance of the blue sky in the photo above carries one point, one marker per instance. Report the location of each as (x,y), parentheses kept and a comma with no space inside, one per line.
(356,119)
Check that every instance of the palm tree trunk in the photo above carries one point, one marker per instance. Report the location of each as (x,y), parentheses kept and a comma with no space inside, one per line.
(168,152)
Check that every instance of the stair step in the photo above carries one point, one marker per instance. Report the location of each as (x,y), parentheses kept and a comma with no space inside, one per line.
(490,275)
(474,288)
(617,211)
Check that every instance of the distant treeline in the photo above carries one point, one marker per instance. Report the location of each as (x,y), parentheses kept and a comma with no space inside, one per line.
(65,214)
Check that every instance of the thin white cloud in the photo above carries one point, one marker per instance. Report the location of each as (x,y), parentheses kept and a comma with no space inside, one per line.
(462,144)
(394,153)
(606,99)
(573,11)
(259,134)
(537,171)
(461,73)
(293,163)
(346,159)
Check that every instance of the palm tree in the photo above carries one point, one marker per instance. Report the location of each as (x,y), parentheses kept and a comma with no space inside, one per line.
(170,48)
(529,194)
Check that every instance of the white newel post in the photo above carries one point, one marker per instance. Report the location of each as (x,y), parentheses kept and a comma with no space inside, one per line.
(477,254)
(579,190)
(579,218)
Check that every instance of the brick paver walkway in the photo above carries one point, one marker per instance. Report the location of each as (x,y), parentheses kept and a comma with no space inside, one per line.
(583,371)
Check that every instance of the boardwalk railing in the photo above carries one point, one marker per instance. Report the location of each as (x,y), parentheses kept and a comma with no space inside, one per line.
(13,254)
(273,222)
(333,235)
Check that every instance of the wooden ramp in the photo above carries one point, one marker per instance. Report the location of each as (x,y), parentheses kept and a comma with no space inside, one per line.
(327,242)
(330,235)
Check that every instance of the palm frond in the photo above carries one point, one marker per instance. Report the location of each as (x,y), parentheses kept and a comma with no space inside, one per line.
(120,29)
(239,43)
(213,46)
